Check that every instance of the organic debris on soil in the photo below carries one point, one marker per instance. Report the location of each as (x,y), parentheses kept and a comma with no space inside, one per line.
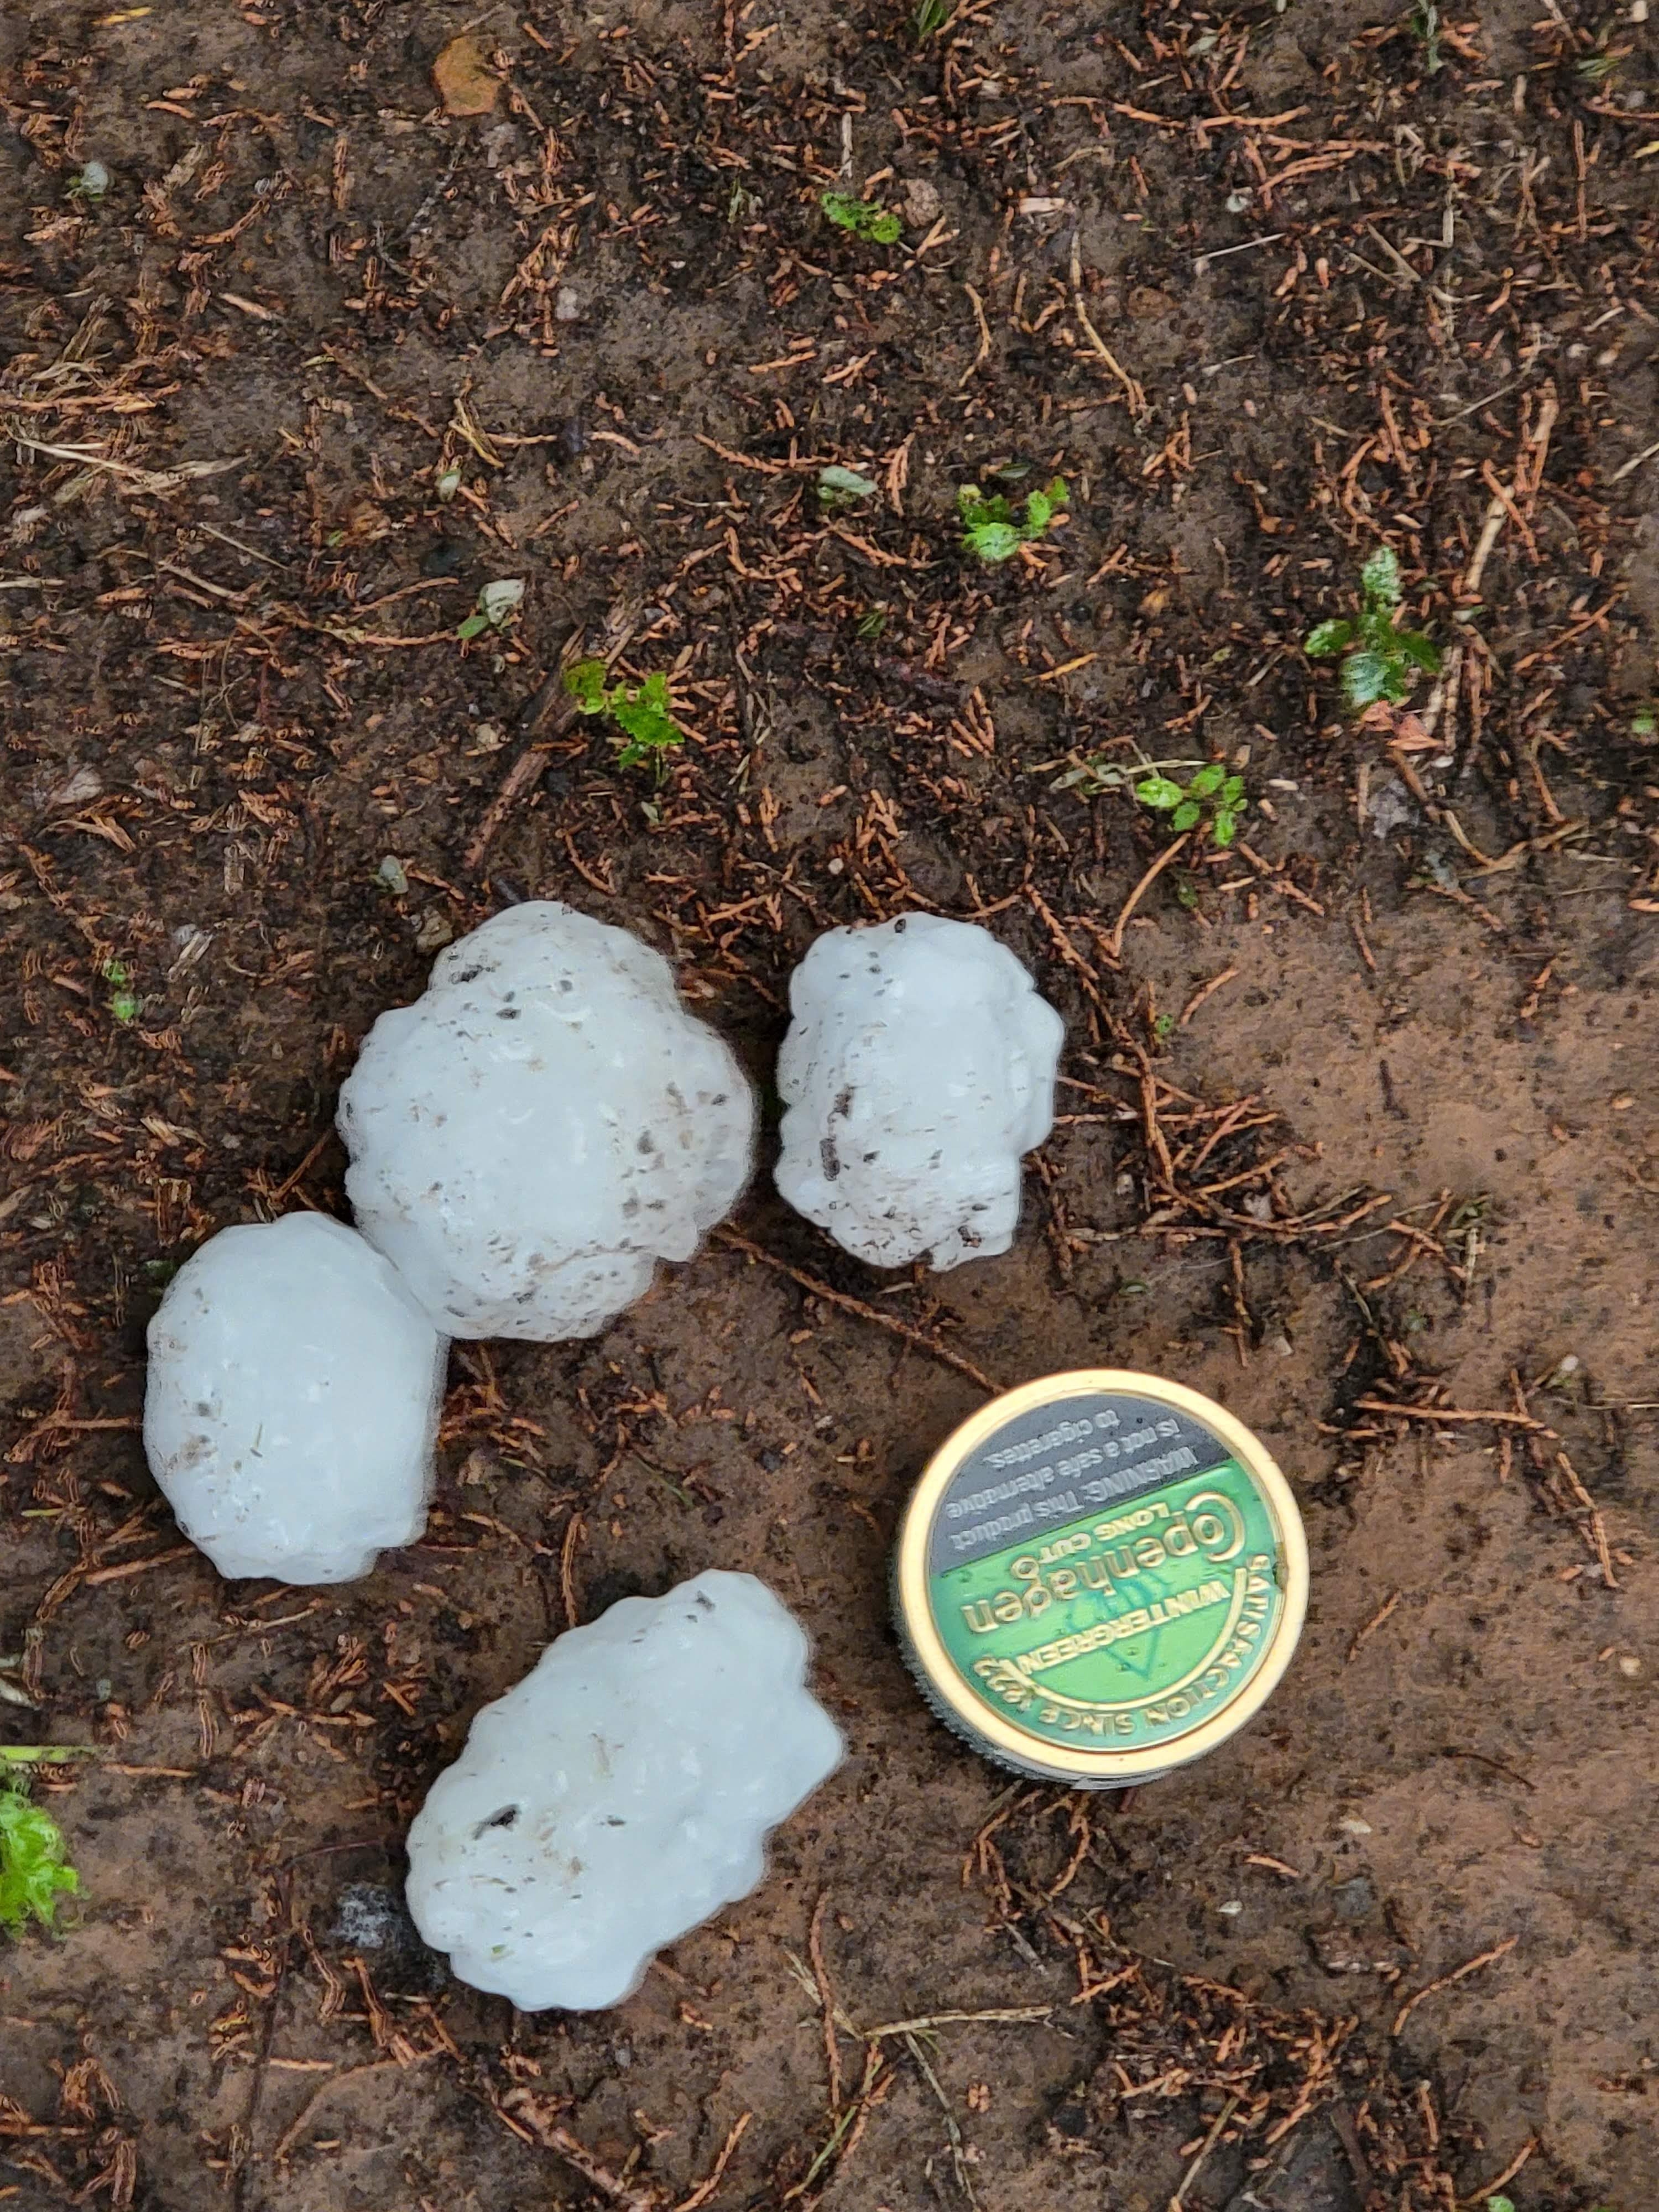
(304,378)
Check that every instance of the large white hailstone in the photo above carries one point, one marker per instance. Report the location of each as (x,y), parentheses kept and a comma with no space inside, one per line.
(291,1406)
(919,1067)
(530,1136)
(620,1793)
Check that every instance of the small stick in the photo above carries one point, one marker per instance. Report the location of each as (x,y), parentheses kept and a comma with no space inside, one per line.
(706,2188)
(1469,1966)
(1115,942)
(1132,391)
(1203,993)
(1485,2195)
(1451,1414)
(1375,1623)
(575,1528)
(1536,449)
(915,1336)
(1209,2144)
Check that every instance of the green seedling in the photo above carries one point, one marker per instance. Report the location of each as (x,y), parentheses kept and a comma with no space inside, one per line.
(1210,796)
(643,715)
(872,625)
(1425,29)
(89,184)
(864,218)
(839,489)
(1645,724)
(499,601)
(35,1864)
(993,531)
(930,18)
(1380,661)
(124,1004)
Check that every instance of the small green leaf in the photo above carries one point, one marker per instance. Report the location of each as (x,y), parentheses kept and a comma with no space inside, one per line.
(125,1007)
(864,218)
(1158,790)
(1039,510)
(1365,679)
(33,1862)
(836,485)
(474,626)
(585,681)
(500,599)
(872,625)
(1500,2205)
(1379,580)
(1207,780)
(1224,829)
(1186,815)
(449,485)
(1232,791)
(993,541)
(1329,637)
(1163,1025)
(1645,723)
(1416,647)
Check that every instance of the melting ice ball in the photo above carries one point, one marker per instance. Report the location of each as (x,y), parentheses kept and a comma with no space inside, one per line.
(918,1068)
(620,1793)
(532,1135)
(291,1404)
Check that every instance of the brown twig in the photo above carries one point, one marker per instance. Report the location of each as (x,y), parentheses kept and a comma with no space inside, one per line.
(922,1342)
(1446,1981)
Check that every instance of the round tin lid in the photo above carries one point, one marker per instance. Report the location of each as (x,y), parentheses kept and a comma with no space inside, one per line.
(1100,1576)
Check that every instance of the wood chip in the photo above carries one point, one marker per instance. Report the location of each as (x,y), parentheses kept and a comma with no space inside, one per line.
(465,82)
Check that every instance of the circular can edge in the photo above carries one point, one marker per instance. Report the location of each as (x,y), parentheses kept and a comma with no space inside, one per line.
(977,1721)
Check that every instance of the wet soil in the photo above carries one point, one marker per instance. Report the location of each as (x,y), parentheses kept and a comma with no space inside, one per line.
(320,363)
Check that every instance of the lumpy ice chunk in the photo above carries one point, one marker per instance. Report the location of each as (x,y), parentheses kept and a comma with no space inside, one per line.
(918,1069)
(620,1793)
(291,1406)
(530,1136)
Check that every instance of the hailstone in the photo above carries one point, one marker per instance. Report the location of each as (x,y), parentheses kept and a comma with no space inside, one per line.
(544,1124)
(291,1406)
(918,1066)
(620,1793)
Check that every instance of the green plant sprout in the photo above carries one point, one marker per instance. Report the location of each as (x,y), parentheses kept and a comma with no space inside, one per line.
(930,18)
(498,602)
(1425,29)
(990,528)
(1210,796)
(34,1858)
(1380,661)
(643,715)
(839,489)
(125,1005)
(89,184)
(864,218)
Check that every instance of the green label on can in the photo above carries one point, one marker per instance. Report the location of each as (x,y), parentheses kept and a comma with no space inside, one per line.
(1104,1574)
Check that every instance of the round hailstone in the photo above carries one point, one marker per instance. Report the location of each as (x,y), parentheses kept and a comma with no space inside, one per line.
(291,1406)
(620,1793)
(919,1067)
(530,1136)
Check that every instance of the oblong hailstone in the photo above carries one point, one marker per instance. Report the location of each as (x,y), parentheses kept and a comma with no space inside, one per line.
(918,1068)
(544,1124)
(620,1793)
(291,1404)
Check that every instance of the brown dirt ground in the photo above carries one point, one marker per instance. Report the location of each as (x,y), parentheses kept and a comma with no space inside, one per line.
(613,307)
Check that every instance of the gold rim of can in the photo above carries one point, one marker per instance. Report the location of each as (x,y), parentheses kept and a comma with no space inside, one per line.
(979,1721)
